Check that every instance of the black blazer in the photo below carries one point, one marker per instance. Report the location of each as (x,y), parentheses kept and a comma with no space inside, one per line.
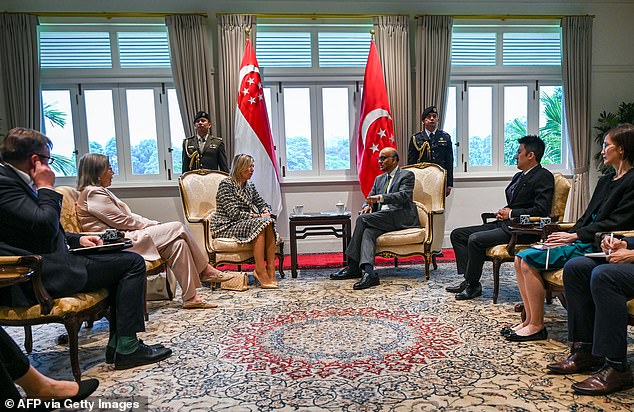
(30,226)
(399,197)
(608,209)
(213,155)
(533,194)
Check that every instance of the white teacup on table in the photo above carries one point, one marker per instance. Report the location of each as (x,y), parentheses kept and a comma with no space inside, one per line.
(298,210)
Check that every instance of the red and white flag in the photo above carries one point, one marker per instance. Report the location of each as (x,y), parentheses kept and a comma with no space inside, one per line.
(375,122)
(253,131)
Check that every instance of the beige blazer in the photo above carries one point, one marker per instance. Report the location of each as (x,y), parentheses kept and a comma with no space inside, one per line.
(99,209)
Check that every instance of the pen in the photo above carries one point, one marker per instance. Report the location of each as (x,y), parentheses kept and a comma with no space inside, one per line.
(611,240)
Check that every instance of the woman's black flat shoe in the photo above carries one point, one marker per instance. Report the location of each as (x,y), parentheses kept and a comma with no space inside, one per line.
(541,335)
(506,331)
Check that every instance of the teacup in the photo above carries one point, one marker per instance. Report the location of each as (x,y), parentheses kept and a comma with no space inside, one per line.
(525,219)
(341,208)
(298,210)
(543,221)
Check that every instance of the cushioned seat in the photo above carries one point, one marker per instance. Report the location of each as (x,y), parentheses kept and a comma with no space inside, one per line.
(198,190)
(429,197)
(70,311)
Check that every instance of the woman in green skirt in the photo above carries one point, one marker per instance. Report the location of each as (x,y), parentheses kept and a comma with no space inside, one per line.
(611,208)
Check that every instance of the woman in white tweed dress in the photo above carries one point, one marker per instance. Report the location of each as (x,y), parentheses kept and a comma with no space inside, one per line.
(242,214)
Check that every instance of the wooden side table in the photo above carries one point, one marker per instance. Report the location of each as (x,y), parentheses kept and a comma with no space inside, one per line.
(318,224)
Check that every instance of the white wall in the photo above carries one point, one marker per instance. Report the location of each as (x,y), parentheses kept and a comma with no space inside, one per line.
(612,83)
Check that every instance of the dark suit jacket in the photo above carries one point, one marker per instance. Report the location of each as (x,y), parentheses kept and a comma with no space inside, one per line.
(440,151)
(212,157)
(30,226)
(399,197)
(610,208)
(533,194)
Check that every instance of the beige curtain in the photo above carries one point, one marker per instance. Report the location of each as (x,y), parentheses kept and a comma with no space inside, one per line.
(433,64)
(577,68)
(192,67)
(392,43)
(20,70)
(231,38)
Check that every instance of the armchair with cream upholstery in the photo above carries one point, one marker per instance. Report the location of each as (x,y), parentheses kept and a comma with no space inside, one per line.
(70,311)
(198,190)
(426,241)
(506,252)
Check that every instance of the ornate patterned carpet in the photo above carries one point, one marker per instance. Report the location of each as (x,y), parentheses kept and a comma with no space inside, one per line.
(317,345)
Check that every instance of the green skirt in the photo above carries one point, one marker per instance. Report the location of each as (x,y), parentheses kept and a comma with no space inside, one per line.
(557,257)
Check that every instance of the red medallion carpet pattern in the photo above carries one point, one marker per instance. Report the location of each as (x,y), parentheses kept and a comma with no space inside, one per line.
(369,342)
(316,345)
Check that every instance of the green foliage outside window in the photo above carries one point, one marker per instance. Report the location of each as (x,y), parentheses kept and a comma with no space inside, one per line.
(550,132)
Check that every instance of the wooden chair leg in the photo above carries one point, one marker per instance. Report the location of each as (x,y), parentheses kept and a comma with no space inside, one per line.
(549,295)
(170,295)
(395,262)
(427,262)
(496,280)
(433,261)
(28,339)
(280,262)
(72,327)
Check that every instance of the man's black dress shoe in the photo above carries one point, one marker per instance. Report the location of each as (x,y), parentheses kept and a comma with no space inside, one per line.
(607,380)
(366,282)
(458,288)
(111,351)
(541,335)
(144,355)
(470,292)
(346,273)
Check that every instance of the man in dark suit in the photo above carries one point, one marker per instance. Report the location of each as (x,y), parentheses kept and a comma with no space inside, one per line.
(388,207)
(529,193)
(432,145)
(30,211)
(202,150)
(597,295)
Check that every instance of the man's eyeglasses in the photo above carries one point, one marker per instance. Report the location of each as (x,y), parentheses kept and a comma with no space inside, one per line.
(382,158)
(51,160)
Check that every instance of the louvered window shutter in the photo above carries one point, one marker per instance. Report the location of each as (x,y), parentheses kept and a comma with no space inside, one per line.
(77,50)
(343,49)
(473,49)
(531,49)
(284,49)
(143,49)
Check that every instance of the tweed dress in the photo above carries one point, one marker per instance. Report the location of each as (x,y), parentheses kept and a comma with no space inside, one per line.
(235,207)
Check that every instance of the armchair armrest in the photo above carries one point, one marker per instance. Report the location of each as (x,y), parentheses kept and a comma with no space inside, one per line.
(488,215)
(18,269)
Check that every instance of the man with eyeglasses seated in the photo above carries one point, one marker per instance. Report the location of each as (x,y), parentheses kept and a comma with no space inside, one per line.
(387,208)
(30,211)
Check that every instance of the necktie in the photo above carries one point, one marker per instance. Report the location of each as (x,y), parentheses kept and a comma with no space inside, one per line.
(511,189)
(387,184)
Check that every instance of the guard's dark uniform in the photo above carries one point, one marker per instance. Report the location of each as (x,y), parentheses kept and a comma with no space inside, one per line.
(437,149)
(212,157)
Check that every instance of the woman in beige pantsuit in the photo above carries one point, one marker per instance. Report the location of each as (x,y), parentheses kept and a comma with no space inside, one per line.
(99,209)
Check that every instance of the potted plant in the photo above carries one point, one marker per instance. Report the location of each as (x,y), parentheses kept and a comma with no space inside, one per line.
(607,121)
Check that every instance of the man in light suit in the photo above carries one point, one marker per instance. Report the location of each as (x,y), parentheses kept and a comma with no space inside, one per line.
(388,207)
(529,193)
(203,150)
(30,211)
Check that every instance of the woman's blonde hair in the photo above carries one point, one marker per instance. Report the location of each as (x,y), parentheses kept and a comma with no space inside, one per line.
(240,162)
(91,167)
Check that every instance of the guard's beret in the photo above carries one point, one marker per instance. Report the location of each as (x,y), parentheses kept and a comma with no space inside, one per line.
(201,115)
(428,111)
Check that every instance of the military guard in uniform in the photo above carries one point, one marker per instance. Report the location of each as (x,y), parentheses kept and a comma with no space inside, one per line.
(202,150)
(432,145)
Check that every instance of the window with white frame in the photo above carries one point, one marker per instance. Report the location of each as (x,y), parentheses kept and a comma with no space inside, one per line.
(505,83)
(312,75)
(107,89)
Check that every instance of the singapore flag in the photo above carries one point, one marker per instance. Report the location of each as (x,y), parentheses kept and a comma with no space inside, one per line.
(253,131)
